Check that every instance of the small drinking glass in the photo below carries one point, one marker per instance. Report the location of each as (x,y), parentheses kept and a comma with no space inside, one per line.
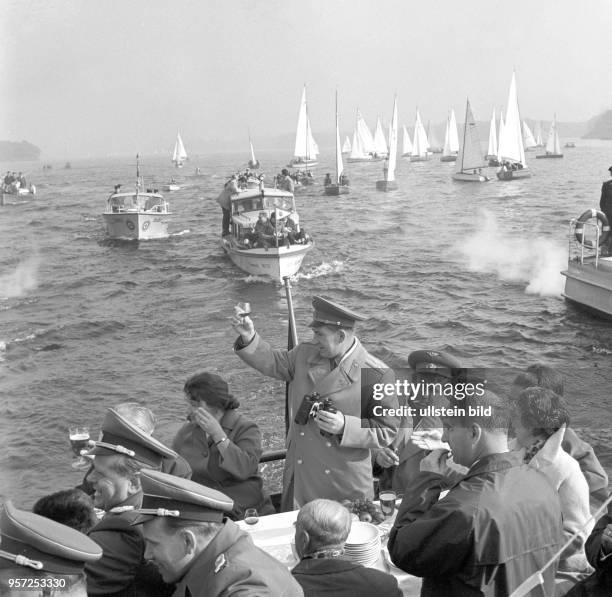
(79,440)
(243,309)
(251,516)
(387,502)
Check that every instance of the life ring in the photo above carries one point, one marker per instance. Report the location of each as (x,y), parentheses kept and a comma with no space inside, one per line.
(130,225)
(579,229)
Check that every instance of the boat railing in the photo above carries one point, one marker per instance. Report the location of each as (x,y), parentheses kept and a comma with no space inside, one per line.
(593,227)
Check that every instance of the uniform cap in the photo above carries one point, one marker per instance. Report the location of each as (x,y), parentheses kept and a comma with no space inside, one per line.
(39,543)
(610,168)
(175,497)
(119,436)
(434,361)
(327,312)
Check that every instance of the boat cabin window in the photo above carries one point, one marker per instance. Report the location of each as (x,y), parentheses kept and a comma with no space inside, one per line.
(152,202)
(249,204)
(285,203)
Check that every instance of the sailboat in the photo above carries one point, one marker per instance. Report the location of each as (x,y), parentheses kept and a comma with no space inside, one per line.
(470,154)
(553,147)
(380,143)
(406,143)
(538,134)
(306,149)
(496,161)
(253,162)
(179,155)
(420,143)
(451,139)
(529,141)
(511,151)
(362,149)
(434,144)
(492,147)
(346,147)
(340,186)
(389,183)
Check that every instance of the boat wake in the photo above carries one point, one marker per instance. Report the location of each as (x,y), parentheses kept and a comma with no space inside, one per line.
(20,281)
(536,261)
(323,269)
(181,233)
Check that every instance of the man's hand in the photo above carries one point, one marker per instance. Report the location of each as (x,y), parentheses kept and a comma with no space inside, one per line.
(386,457)
(243,325)
(429,439)
(441,462)
(331,422)
(606,540)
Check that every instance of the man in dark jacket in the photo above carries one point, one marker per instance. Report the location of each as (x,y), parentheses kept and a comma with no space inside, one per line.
(193,544)
(494,529)
(321,530)
(605,203)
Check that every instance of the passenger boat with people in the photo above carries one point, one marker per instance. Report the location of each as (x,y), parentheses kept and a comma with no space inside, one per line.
(136,215)
(277,254)
(17,190)
(588,277)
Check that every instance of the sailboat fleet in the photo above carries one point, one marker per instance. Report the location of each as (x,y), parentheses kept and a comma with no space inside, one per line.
(553,147)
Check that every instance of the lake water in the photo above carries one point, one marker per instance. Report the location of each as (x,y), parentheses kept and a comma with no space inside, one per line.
(86,323)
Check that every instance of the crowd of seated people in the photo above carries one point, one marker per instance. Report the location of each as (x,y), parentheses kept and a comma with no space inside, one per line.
(150,520)
(13,181)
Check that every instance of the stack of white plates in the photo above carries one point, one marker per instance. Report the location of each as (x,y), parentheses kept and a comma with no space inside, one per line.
(363,543)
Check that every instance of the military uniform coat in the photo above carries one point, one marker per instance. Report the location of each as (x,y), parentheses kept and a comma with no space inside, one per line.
(495,528)
(337,467)
(232,565)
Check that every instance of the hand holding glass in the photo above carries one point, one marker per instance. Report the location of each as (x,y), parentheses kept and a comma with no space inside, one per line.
(243,309)
(79,440)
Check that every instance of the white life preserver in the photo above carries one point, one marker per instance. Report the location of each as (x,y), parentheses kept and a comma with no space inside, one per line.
(579,229)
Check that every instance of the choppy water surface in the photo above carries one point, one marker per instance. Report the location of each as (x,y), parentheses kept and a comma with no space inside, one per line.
(86,323)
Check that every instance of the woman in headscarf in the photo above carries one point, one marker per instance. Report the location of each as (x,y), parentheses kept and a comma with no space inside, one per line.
(222,447)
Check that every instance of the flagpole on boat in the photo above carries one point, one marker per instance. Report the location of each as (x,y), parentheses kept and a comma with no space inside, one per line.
(292,341)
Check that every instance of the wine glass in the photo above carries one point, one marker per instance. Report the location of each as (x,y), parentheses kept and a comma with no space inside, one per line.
(243,309)
(79,440)
(251,516)
(387,502)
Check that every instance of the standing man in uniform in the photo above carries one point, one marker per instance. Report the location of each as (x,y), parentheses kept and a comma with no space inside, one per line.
(224,200)
(328,448)
(605,204)
(193,543)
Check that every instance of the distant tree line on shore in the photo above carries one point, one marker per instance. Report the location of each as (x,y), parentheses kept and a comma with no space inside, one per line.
(600,127)
(13,151)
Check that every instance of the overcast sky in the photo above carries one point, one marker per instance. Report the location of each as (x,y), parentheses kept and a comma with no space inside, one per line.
(95,77)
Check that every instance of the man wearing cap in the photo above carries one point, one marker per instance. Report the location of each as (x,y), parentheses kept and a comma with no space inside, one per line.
(328,455)
(123,450)
(193,543)
(605,204)
(398,464)
(224,200)
(37,553)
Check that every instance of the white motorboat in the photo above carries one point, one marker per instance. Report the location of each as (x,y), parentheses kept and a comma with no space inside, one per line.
(171,186)
(470,161)
(306,148)
(511,152)
(389,183)
(279,255)
(136,215)
(588,277)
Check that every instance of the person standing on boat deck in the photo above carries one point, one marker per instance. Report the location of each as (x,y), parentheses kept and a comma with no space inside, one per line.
(385,168)
(119,457)
(327,180)
(495,528)
(224,200)
(605,204)
(286,182)
(328,453)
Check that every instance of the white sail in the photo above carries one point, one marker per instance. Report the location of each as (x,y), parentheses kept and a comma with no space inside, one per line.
(492,150)
(253,160)
(511,141)
(406,142)
(365,136)
(305,145)
(339,164)
(420,144)
(392,160)
(346,148)
(432,139)
(451,139)
(552,143)
(501,132)
(357,150)
(528,138)
(538,134)
(470,154)
(179,154)
(380,143)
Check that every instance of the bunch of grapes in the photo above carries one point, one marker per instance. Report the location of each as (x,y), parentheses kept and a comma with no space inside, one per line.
(365,509)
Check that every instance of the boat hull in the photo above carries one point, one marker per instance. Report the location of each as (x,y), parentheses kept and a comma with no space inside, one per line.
(386,185)
(513,174)
(334,190)
(136,225)
(302,165)
(354,160)
(171,187)
(549,155)
(590,287)
(274,263)
(470,177)
(419,158)
(448,158)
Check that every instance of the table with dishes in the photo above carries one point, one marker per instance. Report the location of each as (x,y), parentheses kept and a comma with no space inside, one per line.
(366,545)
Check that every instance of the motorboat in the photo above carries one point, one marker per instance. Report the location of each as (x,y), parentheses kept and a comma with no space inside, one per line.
(340,186)
(275,255)
(171,186)
(588,277)
(137,214)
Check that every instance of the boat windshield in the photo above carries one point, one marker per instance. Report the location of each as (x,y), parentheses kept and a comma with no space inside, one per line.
(285,203)
(249,204)
(118,203)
